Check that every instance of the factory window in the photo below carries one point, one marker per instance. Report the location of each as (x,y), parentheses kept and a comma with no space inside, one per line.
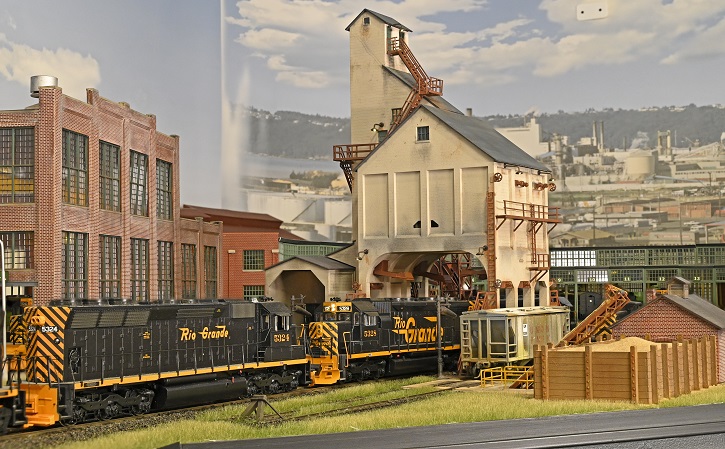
(75,168)
(586,276)
(110,269)
(366,20)
(110,176)
(74,265)
(166,270)
(584,258)
(253,260)
(253,291)
(164,192)
(139,184)
(17,165)
(210,270)
(423,134)
(18,250)
(139,270)
(188,271)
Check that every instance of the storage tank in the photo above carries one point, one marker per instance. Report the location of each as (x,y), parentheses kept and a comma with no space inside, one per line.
(640,164)
(508,336)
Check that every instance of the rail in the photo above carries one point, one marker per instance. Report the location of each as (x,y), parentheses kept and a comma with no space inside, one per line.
(352,152)
(507,375)
(529,211)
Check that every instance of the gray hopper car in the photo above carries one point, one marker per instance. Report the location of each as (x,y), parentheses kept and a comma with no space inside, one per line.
(507,336)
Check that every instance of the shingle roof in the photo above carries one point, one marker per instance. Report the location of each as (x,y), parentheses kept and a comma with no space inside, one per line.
(385,19)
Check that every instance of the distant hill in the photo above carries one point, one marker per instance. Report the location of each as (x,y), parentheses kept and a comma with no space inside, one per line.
(298,135)
(632,128)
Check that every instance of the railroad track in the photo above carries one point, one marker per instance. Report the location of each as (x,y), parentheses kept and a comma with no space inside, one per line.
(52,436)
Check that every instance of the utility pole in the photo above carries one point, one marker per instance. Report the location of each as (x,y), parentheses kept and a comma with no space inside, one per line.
(438,338)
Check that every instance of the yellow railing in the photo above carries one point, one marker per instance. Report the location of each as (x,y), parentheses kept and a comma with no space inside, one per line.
(508,375)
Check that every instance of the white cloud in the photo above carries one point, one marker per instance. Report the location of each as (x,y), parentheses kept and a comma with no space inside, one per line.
(267,39)
(303,39)
(74,71)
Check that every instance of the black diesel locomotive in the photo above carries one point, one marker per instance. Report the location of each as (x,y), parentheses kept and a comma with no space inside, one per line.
(91,361)
(363,338)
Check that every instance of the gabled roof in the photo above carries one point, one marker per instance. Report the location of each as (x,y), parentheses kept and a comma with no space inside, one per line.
(701,308)
(385,19)
(480,134)
(435,100)
(320,261)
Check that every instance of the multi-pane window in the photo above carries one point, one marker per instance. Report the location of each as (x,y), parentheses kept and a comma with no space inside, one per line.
(18,249)
(74,265)
(574,258)
(210,270)
(75,168)
(110,176)
(139,269)
(253,260)
(188,271)
(253,291)
(423,134)
(109,248)
(585,276)
(17,165)
(166,270)
(164,185)
(139,184)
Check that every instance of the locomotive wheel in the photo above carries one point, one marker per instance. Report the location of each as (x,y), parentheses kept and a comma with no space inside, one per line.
(110,411)
(251,390)
(273,387)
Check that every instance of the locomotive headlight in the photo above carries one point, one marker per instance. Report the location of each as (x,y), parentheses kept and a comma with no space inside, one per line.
(57,340)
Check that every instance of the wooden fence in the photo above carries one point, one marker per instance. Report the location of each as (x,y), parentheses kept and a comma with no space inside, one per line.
(643,374)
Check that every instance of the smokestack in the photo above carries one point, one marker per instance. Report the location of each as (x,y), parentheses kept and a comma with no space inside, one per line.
(38,81)
(594,134)
(601,135)
(469,112)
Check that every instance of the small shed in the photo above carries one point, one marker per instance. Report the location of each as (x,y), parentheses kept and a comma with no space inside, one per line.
(669,316)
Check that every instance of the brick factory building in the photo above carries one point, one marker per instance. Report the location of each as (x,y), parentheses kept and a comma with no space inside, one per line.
(89,205)
(251,244)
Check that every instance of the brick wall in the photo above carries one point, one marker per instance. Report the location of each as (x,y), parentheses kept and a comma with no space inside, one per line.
(233,263)
(98,119)
(663,320)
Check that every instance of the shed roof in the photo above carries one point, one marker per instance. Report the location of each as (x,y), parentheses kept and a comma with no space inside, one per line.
(385,19)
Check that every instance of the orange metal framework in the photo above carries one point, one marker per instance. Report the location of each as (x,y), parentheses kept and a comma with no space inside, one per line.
(536,215)
(349,155)
(425,85)
(602,317)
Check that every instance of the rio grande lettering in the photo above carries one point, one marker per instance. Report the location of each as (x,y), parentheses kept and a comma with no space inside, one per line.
(413,334)
(205,334)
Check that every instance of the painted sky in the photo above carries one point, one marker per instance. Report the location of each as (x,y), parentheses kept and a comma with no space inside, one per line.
(169,57)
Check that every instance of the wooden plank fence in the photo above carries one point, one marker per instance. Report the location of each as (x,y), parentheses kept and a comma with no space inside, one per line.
(641,374)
